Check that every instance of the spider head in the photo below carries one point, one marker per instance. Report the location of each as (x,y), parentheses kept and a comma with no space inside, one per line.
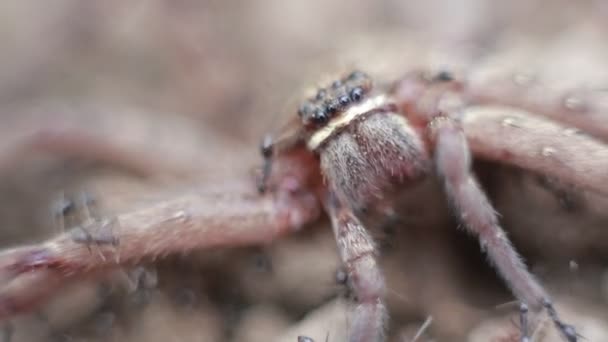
(334,99)
(335,107)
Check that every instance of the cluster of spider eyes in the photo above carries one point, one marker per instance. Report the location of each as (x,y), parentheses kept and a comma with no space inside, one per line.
(339,95)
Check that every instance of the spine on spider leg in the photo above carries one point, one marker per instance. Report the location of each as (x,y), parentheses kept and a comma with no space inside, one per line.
(357,251)
(477,214)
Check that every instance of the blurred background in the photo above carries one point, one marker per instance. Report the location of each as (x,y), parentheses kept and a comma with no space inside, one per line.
(140,99)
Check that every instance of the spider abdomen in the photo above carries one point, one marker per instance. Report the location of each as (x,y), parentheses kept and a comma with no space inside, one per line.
(371,155)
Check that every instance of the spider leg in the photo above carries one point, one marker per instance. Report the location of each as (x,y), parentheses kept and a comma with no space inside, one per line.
(531,142)
(283,142)
(585,108)
(527,139)
(232,214)
(453,161)
(357,251)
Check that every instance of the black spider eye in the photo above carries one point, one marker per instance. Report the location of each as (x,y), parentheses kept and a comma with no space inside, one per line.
(343,100)
(304,109)
(356,94)
(332,106)
(320,116)
(321,94)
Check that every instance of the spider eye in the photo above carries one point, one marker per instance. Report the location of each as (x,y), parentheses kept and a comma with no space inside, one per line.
(332,106)
(356,94)
(320,116)
(343,100)
(336,84)
(321,94)
(305,109)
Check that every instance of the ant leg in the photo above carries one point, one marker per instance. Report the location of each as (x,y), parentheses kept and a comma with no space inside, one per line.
(453,161)
(358,254)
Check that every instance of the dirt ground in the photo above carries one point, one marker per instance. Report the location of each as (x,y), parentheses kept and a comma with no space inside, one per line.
(187,88)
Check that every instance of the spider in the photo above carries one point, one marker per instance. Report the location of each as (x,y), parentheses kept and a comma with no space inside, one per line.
(353,144)
(360,142)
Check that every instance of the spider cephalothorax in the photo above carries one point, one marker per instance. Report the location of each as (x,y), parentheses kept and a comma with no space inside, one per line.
(366,146)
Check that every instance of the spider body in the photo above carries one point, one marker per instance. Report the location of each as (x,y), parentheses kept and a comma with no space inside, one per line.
(369,141)
(364,147)
(371,156)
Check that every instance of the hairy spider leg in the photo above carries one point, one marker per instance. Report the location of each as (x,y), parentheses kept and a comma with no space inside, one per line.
(453,162)
(358,254)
